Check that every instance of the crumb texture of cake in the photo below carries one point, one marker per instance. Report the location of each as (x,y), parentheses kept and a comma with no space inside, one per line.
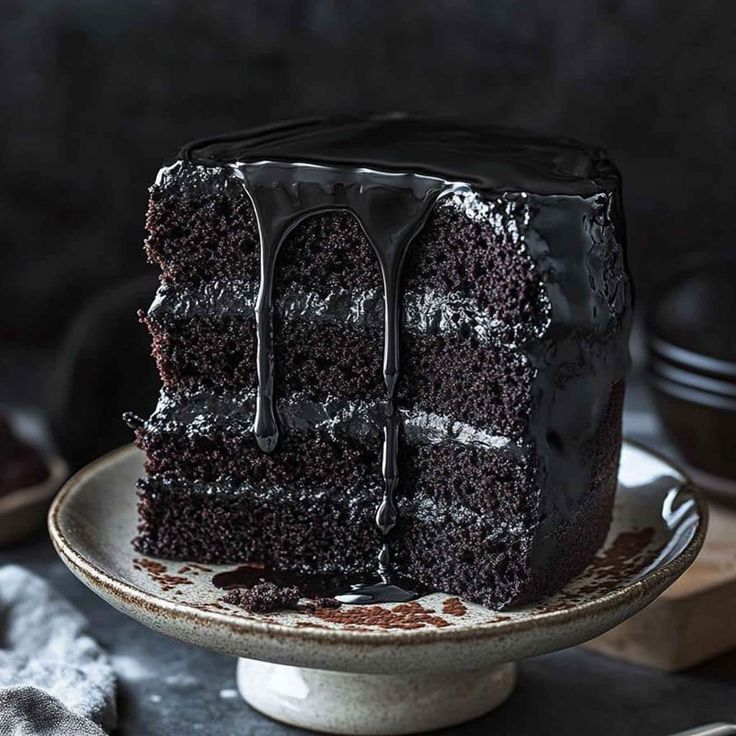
(391,337)
(263,597)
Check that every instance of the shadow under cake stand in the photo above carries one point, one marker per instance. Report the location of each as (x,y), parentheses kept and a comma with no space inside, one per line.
(398,668)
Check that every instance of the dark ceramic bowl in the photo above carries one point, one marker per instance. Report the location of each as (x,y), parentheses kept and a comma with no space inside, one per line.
(691,341)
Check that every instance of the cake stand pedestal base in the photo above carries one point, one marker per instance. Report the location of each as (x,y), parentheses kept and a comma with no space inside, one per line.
(349,703)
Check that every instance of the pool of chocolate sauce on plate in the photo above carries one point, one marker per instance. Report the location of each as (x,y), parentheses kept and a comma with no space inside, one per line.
(346,589)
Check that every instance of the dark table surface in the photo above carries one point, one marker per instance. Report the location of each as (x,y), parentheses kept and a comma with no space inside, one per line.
(167,688)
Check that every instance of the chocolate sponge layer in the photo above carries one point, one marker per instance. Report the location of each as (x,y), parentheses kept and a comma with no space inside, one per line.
(323,527)
(487,385)
(220,353)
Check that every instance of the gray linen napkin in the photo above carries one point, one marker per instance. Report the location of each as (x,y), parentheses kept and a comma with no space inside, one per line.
(54,678)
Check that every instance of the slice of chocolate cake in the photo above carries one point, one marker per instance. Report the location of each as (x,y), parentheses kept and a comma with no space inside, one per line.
(390,347)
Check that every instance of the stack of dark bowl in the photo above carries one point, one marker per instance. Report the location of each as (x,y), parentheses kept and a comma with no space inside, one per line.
(691,338)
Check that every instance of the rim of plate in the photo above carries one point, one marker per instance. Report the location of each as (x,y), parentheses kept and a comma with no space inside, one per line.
(131,595)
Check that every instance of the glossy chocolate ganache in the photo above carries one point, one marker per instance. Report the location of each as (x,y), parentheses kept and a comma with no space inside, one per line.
(391,174)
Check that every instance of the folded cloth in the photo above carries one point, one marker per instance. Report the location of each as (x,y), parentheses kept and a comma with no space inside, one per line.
(54,678)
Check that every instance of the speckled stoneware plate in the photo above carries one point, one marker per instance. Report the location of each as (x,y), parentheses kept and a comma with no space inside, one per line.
(397,668)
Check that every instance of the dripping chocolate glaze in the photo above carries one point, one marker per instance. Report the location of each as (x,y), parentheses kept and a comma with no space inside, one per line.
(391,209)
(389,172)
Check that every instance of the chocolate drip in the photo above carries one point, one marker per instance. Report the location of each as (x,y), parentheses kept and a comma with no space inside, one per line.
(248,575)
(316,586)
(387,514)
(391,209)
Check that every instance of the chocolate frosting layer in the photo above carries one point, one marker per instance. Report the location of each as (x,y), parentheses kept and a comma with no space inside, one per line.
(203,412)
(429,312)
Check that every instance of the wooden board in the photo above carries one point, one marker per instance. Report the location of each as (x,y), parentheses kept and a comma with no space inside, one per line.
(692,621)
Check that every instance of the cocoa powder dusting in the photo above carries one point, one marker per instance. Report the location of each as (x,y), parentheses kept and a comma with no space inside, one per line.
(159,574)
(215,607)
(454,607)
(402,616)
(319,603)
(625,558)
(201,568)
(624,551)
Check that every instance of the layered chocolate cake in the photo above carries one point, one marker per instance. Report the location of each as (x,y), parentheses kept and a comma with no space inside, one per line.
(390,348)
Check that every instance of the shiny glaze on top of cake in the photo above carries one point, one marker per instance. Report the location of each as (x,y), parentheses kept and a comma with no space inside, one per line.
(487,158)
(389,172)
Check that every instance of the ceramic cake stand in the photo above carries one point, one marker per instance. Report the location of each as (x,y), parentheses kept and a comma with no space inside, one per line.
(399,668)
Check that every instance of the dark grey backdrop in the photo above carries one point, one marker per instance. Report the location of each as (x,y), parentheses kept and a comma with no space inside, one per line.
(96,93)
